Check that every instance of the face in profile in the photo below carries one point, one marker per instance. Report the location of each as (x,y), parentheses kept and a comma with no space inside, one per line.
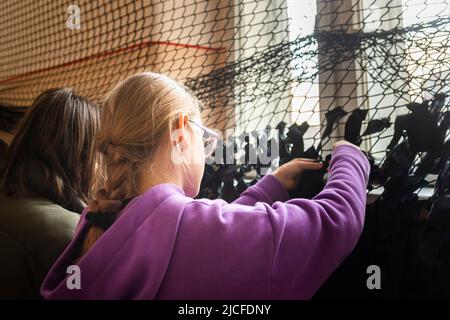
(189,155)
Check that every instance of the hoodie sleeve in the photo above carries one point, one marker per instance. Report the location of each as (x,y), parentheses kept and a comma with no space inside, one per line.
(312,237)
(268,189)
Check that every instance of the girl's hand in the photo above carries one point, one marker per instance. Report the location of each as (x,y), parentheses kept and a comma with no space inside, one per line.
(289,174)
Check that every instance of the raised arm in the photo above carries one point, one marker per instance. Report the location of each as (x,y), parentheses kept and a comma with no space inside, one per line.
(266,246)
(312,237)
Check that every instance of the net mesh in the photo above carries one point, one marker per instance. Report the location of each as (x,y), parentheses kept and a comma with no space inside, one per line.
(253,64)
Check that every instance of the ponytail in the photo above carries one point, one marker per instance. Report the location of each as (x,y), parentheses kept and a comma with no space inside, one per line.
(119,189)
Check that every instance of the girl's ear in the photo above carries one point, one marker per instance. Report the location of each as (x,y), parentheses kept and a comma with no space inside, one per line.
(182,123)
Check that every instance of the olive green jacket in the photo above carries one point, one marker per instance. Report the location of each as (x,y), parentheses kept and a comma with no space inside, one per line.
(33,233)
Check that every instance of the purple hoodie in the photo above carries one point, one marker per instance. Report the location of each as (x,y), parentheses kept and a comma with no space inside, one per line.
(166,245)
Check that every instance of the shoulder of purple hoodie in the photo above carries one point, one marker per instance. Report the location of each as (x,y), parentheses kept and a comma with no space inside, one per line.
(261,246)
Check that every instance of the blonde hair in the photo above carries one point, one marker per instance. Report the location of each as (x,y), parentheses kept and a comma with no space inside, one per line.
(136,116)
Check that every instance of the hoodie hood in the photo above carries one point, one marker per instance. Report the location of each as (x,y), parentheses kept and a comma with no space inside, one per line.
(105,271)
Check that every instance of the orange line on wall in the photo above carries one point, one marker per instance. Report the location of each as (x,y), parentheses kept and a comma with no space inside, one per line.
(110,53)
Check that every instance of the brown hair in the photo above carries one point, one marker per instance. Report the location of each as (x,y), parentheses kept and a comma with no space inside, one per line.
(136,116)
(53,152)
